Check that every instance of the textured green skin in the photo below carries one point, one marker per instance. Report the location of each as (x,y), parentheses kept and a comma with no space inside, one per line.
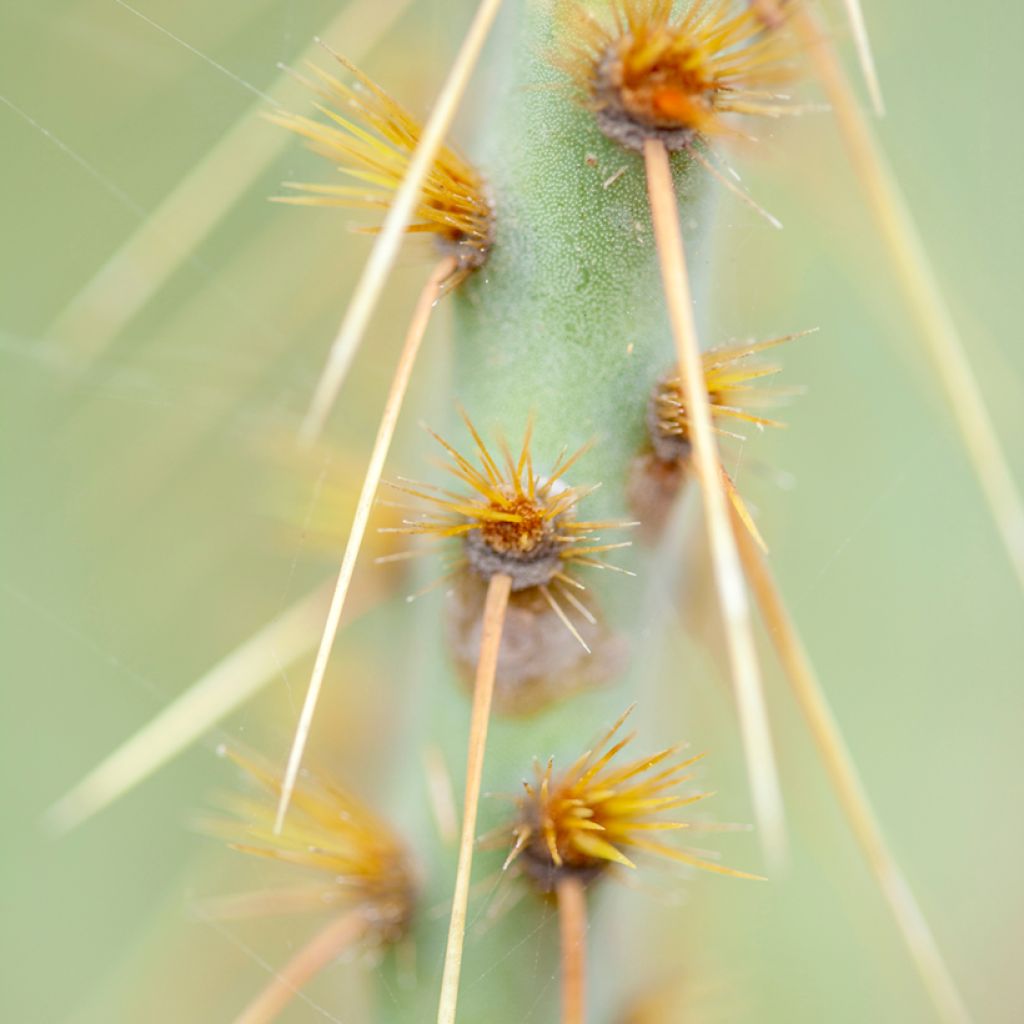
(566,322)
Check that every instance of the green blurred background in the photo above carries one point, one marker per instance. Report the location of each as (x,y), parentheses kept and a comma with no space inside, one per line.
(146,506)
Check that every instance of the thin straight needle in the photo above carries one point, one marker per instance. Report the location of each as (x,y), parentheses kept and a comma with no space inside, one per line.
(176,228)
(495,607)
(922,291)
(732,596)
(389,240)
(381,447)
(862,42)
(839,765)
(572,928)
(327,945)
(233,680)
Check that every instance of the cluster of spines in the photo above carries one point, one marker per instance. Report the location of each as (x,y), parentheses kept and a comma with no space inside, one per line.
(645,72)
(370,138)
(584,820)
(512,520)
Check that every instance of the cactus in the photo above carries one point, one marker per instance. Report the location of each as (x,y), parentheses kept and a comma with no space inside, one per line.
(652,82)
(553,281)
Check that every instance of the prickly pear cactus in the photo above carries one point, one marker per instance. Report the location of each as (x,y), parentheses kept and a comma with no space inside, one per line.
(542,525)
